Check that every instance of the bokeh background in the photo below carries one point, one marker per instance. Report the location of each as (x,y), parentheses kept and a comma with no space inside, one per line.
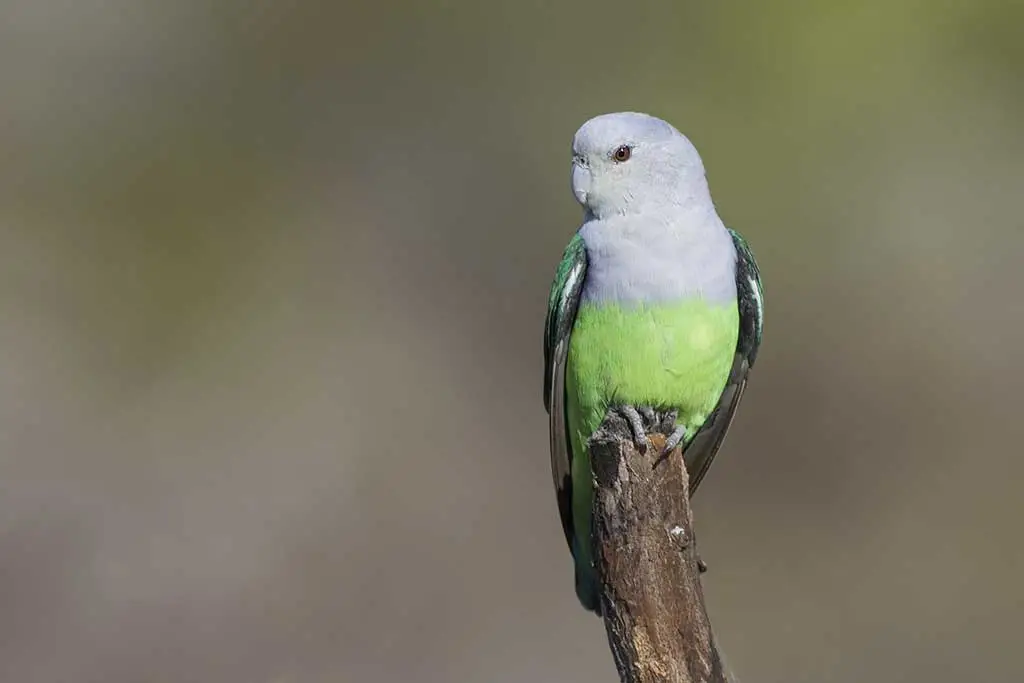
(272,282)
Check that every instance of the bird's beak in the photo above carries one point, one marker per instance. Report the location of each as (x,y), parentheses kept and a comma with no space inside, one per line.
(581,180)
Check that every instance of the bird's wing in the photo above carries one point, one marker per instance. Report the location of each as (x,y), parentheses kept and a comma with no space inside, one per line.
(563,303)
(705,444)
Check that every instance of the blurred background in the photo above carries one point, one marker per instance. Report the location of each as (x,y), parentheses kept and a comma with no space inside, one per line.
(272,286)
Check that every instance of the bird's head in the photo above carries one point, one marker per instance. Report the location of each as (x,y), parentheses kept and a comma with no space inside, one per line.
(629,163)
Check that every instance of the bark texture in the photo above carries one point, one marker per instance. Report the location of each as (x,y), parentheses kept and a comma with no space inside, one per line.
(652,601)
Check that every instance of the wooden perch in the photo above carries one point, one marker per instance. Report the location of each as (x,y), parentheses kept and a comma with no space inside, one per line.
(646,556)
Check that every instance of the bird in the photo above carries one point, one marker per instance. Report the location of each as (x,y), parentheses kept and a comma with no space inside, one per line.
(655,305)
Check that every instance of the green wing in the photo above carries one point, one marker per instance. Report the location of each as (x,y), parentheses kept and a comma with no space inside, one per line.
(750,297)
(750,293)
(563,303)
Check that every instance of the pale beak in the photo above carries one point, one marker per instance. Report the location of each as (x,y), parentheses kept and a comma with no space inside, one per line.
(581,180)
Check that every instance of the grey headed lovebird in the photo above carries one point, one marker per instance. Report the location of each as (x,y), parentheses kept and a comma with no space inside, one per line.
(656,304)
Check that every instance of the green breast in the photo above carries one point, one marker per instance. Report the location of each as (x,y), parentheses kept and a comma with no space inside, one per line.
(665,355)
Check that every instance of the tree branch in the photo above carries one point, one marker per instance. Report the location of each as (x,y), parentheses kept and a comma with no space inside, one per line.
(646,556)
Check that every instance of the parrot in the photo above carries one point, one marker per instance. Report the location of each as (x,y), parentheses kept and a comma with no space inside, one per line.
(655,304)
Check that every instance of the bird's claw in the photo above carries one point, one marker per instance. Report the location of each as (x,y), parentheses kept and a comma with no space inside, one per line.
(648,414)
(674,439)
(641,419)
(636,425)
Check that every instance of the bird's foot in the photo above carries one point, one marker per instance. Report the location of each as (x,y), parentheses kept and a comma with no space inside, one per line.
(643,419)
(648,414)
(636,425)
(674,439)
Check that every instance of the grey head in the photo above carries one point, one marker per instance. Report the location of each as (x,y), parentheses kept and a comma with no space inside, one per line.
(631,163)
(650,227)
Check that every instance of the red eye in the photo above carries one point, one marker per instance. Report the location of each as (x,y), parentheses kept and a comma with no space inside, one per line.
(622,153)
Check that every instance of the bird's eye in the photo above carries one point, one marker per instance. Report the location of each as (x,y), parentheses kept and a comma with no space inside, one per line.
(622,153)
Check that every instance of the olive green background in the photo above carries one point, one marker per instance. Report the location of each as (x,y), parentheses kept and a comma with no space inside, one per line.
(272,284)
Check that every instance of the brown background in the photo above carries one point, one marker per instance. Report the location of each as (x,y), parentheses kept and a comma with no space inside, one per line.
(272,280)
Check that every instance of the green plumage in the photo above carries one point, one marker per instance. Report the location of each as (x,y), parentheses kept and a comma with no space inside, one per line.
(673,355)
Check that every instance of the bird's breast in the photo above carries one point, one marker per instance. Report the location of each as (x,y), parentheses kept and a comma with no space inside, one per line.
(658,264)
(673,354)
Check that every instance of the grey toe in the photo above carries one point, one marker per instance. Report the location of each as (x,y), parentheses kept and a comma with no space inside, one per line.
(675,438)
(636,425)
